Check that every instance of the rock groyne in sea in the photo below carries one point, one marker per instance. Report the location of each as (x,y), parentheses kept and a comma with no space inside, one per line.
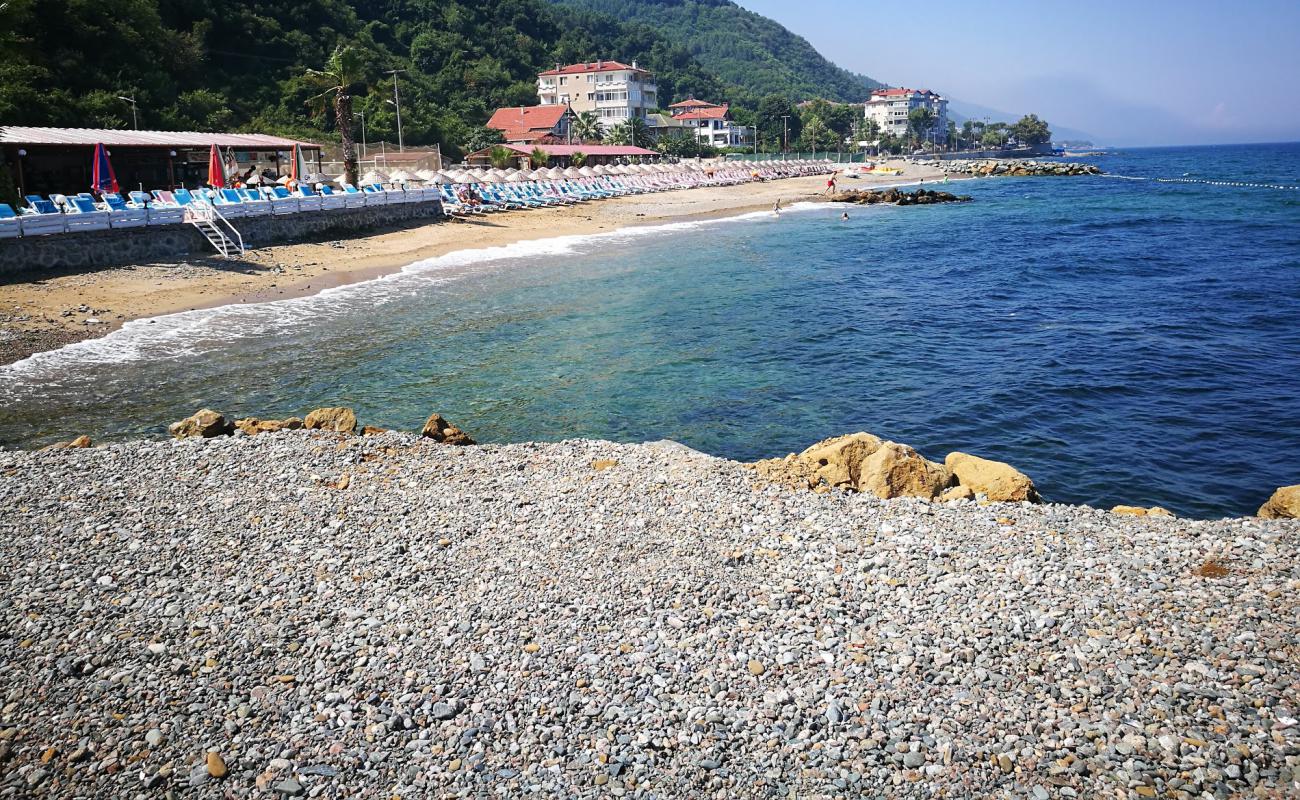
(920,197)
(311,612)
(1014,168)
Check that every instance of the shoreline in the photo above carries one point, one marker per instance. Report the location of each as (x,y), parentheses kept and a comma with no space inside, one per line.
(47,312)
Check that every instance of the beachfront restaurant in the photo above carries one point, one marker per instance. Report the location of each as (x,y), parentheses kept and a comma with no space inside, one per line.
(48,161)
(561,155)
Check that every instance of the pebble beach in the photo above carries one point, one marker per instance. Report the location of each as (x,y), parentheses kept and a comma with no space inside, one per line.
(311,614)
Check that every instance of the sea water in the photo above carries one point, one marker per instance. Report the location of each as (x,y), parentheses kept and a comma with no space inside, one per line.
(1120,339)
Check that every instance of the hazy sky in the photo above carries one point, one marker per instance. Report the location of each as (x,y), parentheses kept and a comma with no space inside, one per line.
(1135,72)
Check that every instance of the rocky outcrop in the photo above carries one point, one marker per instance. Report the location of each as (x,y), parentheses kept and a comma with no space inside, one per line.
(1139,511)
(253,426)
(440,430)
(75,444)
(995,480)
(1284,504)
(896,470)
(205,424)
(338,419)
(860,462)
(865,463)
(920,197)
(1013,167)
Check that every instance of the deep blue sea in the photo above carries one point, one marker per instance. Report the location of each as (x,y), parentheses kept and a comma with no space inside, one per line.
(1122,340)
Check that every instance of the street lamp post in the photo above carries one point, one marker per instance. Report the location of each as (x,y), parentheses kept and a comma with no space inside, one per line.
(397,103)
(135,120)
(785,135)
(362,114)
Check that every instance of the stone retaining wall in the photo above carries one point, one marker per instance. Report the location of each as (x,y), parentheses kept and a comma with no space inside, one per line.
(90,249)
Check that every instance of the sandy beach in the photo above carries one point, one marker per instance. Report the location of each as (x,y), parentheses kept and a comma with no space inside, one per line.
(45,311)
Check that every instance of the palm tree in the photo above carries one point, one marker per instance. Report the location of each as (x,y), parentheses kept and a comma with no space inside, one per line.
(634,131)
(538,158)
(342,72)
(500,157)
(586,127)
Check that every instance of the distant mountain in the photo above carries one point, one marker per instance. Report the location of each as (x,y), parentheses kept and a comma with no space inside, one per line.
(960,111)
(753,54)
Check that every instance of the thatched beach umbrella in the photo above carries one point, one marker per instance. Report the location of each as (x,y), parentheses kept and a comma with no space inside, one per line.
(402,176)
(374,176)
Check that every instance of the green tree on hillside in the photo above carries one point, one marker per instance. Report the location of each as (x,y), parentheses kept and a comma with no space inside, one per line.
(481,138)
(772,127)
(1031,130)
(341,75)
(920,121)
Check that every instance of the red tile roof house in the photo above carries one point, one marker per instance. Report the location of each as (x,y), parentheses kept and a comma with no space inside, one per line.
(531,124)
(712,122)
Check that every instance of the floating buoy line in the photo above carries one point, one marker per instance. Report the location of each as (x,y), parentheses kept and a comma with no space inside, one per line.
(1235,184)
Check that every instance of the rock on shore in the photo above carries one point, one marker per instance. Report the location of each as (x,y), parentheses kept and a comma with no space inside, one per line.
(1284,504)
(378,616)
(866,463)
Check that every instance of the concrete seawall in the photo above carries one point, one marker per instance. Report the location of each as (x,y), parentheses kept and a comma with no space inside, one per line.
(111,248)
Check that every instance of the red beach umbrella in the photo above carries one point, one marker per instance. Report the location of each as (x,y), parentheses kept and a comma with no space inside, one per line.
(102,178)
(298,169)
(216,169)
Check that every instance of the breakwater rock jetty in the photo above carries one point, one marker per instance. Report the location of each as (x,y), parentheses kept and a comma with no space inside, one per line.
(920,197)
(1021,168)
(316,613)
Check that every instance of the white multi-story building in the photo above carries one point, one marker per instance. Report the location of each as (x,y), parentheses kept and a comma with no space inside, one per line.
(890,109)
(612,90)
(712,123)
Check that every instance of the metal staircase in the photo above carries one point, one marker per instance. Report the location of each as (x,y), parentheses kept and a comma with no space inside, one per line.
(216,229)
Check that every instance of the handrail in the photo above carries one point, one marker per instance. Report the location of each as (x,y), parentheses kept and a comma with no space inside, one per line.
(203,211)
(239,239)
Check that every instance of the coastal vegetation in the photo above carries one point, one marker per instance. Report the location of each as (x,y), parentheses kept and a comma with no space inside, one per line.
(243,65)
(753,55)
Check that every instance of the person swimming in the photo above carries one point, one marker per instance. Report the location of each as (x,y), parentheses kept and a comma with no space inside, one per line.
(845,216)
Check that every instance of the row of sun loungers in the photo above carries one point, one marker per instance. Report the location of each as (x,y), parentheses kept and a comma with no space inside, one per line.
(82,212)
(113,211)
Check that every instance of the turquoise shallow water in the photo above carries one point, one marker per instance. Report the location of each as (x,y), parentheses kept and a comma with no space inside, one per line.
(1120,340)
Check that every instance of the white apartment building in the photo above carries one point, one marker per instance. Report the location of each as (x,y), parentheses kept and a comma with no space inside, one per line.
(890,107)
(612,90)
(712,123)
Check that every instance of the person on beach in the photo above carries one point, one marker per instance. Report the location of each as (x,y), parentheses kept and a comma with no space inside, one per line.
(776,209)
(830,184)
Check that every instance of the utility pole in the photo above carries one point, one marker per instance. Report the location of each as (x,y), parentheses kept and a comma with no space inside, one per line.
(397,103)
(362,114)
(135,121)
(785,134)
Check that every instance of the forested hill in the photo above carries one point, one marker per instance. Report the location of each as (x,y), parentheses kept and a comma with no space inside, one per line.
(748,51)
(239,64)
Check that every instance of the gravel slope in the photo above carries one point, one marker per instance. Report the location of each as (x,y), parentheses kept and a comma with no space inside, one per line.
(507,620)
